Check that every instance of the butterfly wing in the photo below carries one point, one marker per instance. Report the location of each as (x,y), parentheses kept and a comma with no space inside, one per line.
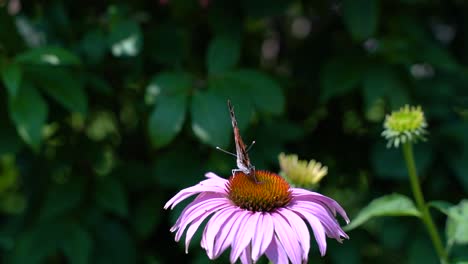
(243,161)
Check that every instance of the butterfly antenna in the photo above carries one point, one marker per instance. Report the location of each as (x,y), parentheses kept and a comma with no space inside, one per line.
(227,152)
(250,146)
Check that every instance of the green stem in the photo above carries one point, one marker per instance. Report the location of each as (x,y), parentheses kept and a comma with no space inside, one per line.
(423,208)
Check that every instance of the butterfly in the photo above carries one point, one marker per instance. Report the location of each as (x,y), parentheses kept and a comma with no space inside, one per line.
(242,157)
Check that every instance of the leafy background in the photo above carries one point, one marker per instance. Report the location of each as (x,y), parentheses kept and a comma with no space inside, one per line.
(108,109)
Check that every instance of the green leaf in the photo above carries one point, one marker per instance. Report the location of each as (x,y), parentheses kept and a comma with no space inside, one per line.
(168,84)
(48,55)
(12,75)
(265,92)
(28,110)
(125,39)
(61,199)
(337,78)
(381,83)
(94,46)
(389,205)
(169,173)
(456,228)
(233,89)
(146,218)
(166,120)
(168,90)
(389,163)
(77,244)
(442,206)
(10,142)
(62,86)
(361,17)
(113,244)
(111,195)
(210,119)
(223,54)
(30,246)
(169,44)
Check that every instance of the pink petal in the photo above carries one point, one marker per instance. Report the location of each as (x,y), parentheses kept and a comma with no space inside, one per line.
(196,223)
(200,200)
(207,208)
(301,194)
(300,227)
(263,236)
(330,224)
(228,231)
(275,253)
(287,238)
(244,235)
(213,184)
(319,231)
(213,227)
(246,256)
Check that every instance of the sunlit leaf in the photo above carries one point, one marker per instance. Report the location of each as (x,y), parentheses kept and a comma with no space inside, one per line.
(361,17)
(168,91)
(223,54)
(48,55)
(166,120)
(126,39)
(389,205)
(12,75)
(28,110)
(442,206)
(456,228)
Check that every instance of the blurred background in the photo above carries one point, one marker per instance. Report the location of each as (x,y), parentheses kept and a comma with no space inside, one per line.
(109,108)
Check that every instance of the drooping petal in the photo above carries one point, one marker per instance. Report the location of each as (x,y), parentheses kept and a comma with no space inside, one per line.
(287,238)
(228,232)
(298,224)
(246,256)
(192,229)
(301,194)
(213,184)
(331,225)
(244,235)
(263,236)
(275,252)
(206,209)
(213,227)
(202,199)
(319,231)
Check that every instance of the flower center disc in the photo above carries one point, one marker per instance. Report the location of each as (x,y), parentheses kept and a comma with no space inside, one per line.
(270,192)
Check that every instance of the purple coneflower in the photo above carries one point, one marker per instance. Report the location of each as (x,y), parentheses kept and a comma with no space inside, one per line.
(254,219)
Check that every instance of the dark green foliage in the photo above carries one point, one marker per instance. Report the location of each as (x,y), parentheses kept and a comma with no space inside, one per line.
(108,110)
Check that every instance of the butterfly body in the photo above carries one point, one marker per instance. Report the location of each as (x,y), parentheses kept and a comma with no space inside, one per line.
(242,158)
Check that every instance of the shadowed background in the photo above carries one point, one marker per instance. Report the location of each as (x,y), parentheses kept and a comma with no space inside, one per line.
(108,109)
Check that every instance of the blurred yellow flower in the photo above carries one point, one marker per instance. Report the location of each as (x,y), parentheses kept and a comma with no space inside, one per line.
(301,173)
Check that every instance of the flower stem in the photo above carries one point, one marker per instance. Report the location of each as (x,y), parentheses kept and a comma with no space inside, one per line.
(423,208)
